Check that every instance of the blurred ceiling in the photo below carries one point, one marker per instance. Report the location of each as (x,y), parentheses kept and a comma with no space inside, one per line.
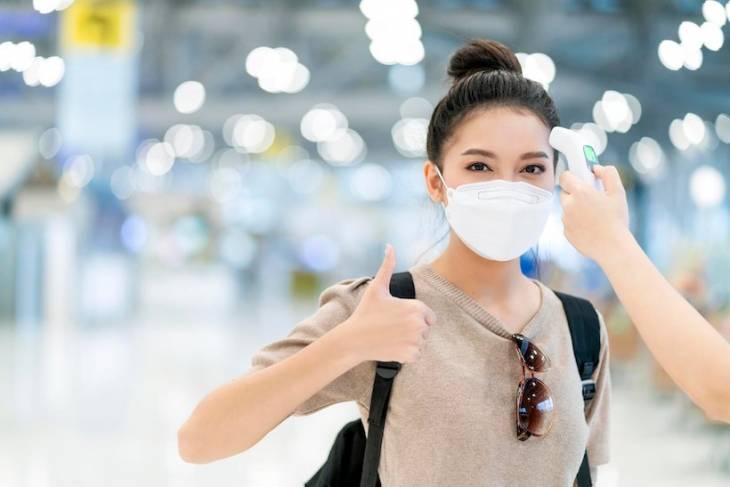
(596,46)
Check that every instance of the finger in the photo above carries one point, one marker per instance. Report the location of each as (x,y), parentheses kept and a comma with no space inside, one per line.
(564,197)
(381,280)
(566,225)
(569,182)
(611,179)
(429,315)
(423,335)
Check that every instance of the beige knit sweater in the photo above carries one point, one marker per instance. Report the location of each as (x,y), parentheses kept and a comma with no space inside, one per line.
(451,419)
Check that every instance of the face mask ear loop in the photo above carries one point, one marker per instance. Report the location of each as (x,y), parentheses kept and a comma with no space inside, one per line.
(442,180)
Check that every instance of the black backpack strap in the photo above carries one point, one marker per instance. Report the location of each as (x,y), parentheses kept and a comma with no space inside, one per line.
(585,333)
(583,479)
(401,286)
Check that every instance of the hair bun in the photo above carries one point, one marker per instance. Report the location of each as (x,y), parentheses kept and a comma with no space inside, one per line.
(482,55)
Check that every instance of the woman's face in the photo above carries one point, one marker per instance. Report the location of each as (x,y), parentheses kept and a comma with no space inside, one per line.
(497,143)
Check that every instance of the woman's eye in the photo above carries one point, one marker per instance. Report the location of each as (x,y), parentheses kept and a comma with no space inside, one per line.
(480,165)
(539,166)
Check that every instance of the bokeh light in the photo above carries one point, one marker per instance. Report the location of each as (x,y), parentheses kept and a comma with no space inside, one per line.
(189,97)
(707,187)
(277,69)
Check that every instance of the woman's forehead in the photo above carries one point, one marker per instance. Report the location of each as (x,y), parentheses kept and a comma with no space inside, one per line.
(503,130)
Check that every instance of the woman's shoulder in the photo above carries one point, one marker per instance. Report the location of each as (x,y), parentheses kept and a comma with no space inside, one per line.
(347,291)
(594,304)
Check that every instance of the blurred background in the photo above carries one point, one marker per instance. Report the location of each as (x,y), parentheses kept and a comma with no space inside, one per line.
(179,180)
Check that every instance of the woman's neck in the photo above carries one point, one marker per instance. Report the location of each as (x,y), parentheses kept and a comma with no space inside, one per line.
(488,281)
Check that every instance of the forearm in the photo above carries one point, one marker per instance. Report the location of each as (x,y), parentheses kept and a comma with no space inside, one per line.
(686,345)
(235,416)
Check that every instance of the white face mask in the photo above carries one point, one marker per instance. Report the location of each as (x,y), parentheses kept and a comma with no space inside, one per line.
(498,219)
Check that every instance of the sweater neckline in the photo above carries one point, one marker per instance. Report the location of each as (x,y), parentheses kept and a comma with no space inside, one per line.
(477,311)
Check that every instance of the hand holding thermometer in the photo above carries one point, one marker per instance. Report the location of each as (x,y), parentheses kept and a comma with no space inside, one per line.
(581,157)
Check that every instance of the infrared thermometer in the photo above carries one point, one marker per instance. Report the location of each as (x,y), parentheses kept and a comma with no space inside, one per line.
(579,154)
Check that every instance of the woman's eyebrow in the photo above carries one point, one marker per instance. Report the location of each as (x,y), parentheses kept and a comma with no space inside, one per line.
(479,152)
(531,155)
(486,153)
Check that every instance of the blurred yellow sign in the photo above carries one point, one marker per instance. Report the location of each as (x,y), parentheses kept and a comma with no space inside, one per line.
(100,24)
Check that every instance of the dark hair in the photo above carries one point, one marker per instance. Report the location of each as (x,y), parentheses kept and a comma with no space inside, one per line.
(485,73)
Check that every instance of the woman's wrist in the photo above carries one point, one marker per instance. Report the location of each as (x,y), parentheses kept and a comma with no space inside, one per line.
(342,345)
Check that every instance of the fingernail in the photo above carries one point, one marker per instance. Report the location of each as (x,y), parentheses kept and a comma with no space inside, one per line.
(386,249)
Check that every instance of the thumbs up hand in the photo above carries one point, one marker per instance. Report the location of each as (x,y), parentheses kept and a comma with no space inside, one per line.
(386,328)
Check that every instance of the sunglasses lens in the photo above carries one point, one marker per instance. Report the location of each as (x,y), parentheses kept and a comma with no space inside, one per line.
(534,408)
(534,359)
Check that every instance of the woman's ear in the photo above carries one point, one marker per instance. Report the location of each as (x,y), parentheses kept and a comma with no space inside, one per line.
(433,182)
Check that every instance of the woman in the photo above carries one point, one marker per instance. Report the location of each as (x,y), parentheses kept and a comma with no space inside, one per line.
(692,352)
(451,418)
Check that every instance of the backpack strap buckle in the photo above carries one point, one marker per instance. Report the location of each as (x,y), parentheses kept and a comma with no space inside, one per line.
(589,385)
(387,370)
(587,370)
(589,389)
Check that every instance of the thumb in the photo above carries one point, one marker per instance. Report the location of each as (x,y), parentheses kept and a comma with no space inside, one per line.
(610,177)
(381,281)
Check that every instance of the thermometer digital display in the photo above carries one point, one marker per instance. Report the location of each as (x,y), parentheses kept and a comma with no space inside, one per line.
(590,155)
